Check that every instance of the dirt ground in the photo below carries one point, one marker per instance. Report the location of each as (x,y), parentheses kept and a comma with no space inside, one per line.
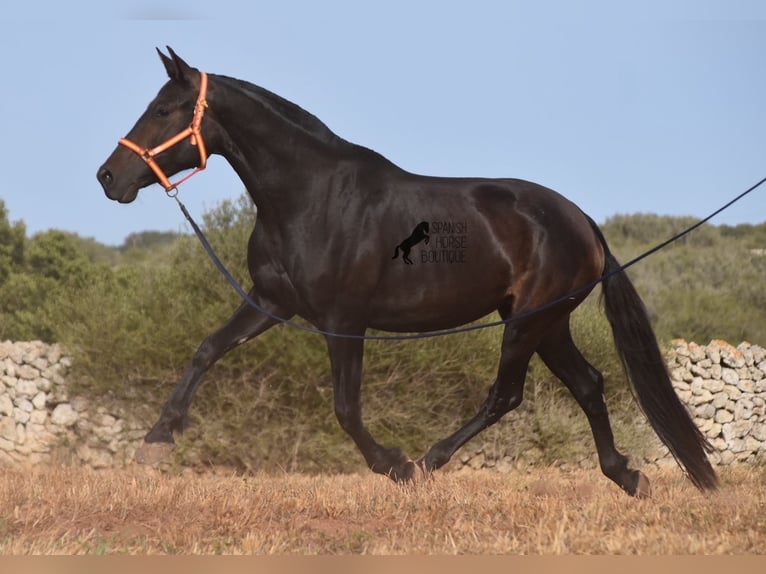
(66,510)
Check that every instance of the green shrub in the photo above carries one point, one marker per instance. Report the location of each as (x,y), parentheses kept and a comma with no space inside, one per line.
(134,326)
(706,287)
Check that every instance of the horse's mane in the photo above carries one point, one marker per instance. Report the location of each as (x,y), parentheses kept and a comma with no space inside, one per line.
(291,112)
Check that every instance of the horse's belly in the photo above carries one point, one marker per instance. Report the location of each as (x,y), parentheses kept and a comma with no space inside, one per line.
(435,305)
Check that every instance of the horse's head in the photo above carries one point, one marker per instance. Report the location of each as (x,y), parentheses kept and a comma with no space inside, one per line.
(166,138)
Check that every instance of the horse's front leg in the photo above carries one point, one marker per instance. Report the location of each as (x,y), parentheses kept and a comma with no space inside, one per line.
(346,359)
(244,324)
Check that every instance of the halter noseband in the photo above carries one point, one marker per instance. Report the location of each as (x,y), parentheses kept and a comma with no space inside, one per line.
(195,138)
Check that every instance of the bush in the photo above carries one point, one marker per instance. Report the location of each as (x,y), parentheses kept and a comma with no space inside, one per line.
(40,267)
(269,403)
(708,286)
(134,326)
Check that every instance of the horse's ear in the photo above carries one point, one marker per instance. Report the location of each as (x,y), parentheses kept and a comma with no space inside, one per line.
(170,66)
(176,68)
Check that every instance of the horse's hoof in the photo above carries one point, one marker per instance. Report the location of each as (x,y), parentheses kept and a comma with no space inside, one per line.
(154,452)
(643,487)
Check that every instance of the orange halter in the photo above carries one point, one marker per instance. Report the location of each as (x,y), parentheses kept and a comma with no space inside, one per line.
(195,138)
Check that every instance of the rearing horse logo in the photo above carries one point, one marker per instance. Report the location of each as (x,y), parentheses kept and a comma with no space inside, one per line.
(418,234)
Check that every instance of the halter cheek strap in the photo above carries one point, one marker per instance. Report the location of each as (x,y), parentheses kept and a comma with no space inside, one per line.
(192,132)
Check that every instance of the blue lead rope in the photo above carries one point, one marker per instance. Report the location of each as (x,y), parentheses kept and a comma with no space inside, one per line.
(431,334)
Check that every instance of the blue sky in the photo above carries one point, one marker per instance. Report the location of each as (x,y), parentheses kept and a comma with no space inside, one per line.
(622,107)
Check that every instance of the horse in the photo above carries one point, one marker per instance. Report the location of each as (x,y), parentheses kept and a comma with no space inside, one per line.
(327,210)
(420,233)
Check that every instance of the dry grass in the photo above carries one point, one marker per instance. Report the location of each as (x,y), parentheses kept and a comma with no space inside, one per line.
(542,511)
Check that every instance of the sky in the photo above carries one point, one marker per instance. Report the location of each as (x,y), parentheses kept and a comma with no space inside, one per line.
(623,107)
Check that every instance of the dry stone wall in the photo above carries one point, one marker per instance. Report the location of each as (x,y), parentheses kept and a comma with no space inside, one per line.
(40,422)
(723,386)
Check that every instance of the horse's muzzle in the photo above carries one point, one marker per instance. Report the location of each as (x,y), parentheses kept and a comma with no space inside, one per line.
(108,182)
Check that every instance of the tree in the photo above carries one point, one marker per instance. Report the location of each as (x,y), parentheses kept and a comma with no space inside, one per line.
(11,244)
(33,272)
(56,255)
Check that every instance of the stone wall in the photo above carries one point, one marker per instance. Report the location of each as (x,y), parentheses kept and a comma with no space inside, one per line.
(723,386)
(40,422)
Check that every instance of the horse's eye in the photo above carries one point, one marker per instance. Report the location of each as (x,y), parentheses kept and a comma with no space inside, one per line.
(162,112)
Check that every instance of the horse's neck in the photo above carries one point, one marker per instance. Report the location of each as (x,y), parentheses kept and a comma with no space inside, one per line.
(273,148)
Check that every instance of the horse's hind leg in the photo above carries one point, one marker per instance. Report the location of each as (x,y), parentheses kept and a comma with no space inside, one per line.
(244,324)
(559,353)
(505,394)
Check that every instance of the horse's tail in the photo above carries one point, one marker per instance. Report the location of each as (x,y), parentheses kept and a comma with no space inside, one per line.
(396,252)
(648,375)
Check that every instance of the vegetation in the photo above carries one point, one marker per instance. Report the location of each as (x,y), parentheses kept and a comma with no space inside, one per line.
(543,511)
(707,285)
(133,316)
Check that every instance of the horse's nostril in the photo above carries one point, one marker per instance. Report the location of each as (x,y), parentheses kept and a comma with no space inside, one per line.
(105,176)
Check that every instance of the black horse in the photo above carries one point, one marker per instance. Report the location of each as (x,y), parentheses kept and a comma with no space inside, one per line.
(420,233)
(310,256)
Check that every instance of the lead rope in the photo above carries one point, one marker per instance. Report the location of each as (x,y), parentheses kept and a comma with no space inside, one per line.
(428,335)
